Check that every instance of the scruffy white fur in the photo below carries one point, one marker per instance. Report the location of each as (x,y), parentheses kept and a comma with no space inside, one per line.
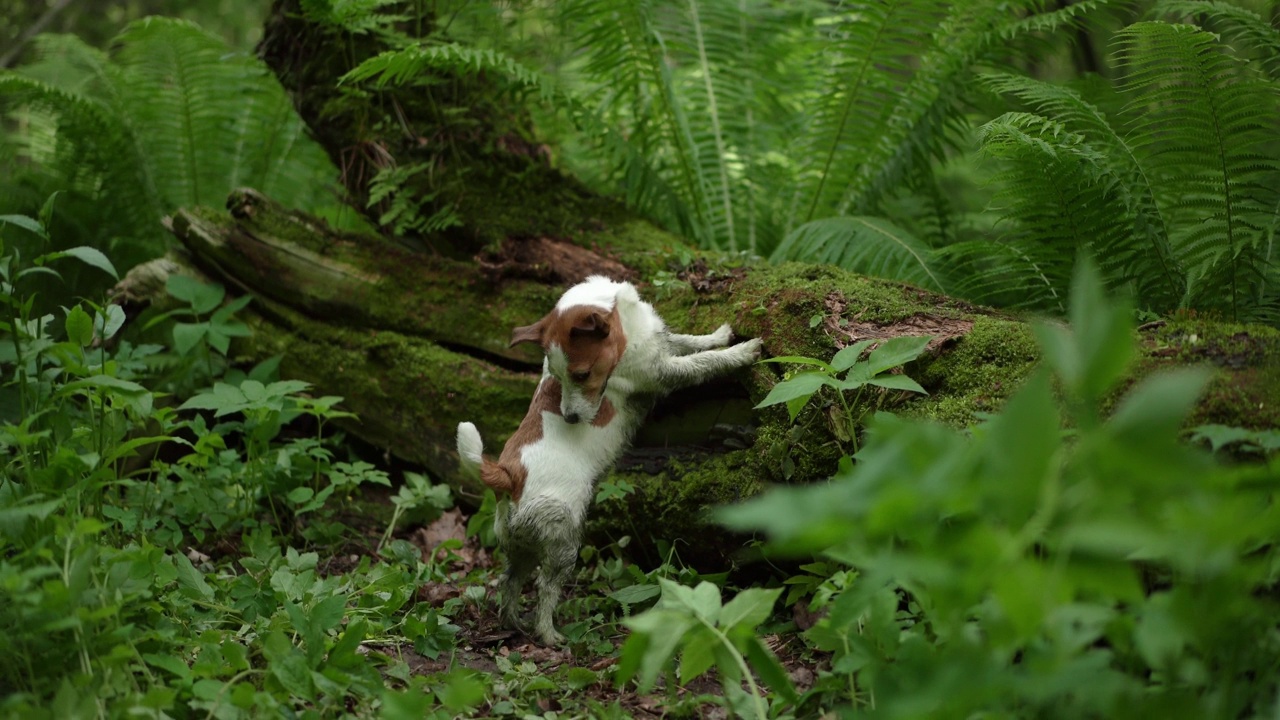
(542,530)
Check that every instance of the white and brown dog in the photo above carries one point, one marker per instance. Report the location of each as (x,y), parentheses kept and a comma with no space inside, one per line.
(606,351)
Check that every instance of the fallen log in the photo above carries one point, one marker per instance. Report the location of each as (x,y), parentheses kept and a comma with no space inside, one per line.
(416,342)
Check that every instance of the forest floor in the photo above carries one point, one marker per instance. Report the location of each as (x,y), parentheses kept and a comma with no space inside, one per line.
(467,580)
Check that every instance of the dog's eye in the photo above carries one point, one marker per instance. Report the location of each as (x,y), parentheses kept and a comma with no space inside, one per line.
(579,377)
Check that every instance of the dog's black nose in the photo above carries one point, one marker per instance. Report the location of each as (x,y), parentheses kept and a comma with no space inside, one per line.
(572,418)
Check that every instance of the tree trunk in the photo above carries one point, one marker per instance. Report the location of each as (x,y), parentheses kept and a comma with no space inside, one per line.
(414,332)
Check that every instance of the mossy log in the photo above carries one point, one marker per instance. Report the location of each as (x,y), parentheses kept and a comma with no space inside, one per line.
(417,342)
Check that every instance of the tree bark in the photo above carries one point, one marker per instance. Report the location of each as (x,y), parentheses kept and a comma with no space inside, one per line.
(414,331)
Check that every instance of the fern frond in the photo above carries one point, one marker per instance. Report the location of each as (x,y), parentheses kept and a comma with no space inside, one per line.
(94,154)
(407,65)
(1206,126)
(869,61)
(625,59)
(169,119)
(1012,274)
(926,116)
(867,245)
(357,17)
(1249,31)
(1156,265)
(1062,195)
(645,187)
(213,121)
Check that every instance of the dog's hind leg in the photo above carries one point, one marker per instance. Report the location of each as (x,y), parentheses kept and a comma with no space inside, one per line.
(521,563)
(556,570)
(685,344)
(555,533)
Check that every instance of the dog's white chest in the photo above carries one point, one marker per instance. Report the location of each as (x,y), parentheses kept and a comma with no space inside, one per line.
(567,459)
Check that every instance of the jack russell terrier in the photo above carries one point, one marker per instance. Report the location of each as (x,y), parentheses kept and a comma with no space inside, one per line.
(606,351)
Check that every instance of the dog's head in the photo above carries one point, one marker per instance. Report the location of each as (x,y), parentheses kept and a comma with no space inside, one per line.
(583,345)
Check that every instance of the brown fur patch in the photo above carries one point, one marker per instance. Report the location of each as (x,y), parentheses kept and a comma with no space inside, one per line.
(595,351)
(593,342)
(606,414)
(546,399)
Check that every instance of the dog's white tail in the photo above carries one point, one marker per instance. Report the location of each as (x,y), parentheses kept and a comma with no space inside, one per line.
(473,463)
(470,449)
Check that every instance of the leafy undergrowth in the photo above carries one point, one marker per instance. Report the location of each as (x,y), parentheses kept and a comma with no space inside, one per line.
(183,538)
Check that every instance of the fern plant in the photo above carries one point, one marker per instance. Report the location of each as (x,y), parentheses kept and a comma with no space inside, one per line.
(168,118)
(1176,193)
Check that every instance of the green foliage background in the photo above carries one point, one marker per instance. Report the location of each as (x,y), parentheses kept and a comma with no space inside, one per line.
(1057,559)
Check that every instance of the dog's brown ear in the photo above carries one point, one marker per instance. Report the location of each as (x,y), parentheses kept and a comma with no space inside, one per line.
(592,324)
(528,333)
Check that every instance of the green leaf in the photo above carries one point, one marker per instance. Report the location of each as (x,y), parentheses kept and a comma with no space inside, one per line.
(1220,436)
(1103,332)
(253,391)
(168,662)
(79,327)
(894,352)
(26,223)
(895,382)
(202,297)
(799,388)
(1157,407)
(1020,444)
(1059,349)
(749,608)
(109,322)
(798,360)
(635,594)
(697,654)
(703,600)
(126,387)
(299,495)
(1160,634)
(224,313)
(235,654)
(462,692)
(187,335)
(412,704)
(847,356)
(657,634)
(327,614)
(344,652)
(191,581)
(89,256)
(578,678)
(222,399)
(46,210)
(218,340)
(288,666)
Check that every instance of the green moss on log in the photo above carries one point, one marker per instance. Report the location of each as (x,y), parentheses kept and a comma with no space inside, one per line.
(978,374)
(410,394)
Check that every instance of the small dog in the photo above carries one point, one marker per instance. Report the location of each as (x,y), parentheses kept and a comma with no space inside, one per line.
(606,352)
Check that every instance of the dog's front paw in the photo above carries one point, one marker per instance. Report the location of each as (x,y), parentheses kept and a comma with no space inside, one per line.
(750,351)
(722,336)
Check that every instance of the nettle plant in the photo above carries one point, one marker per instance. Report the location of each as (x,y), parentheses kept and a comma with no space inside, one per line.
(1055,560)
